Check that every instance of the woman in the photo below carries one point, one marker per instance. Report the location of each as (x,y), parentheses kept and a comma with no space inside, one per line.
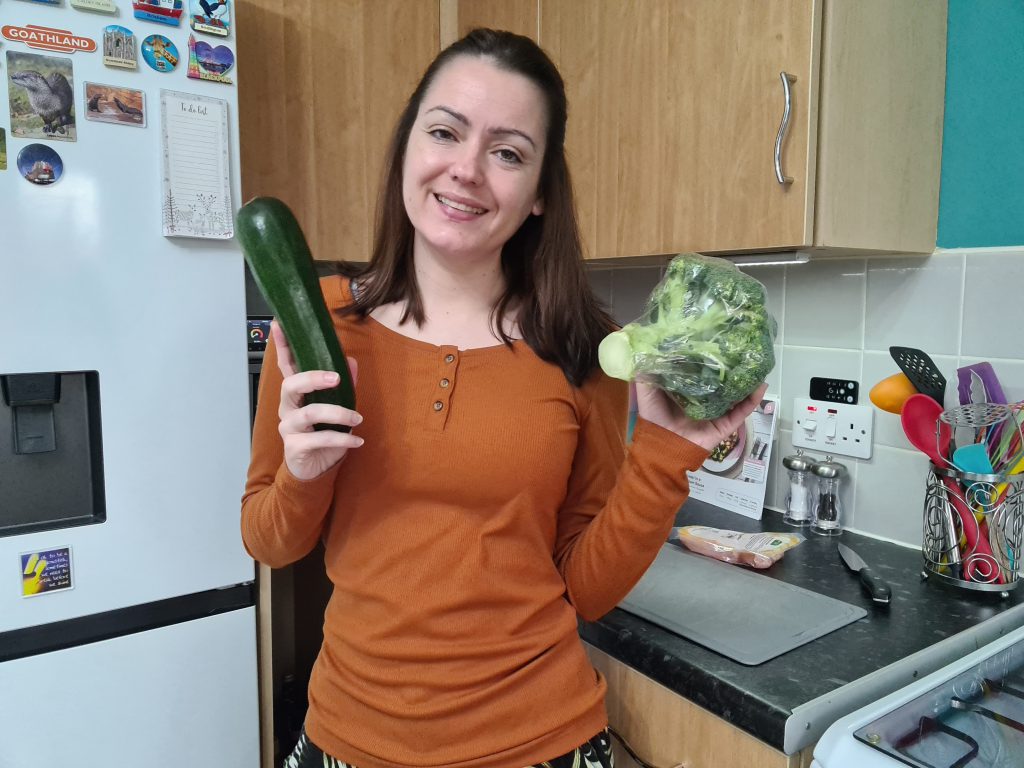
(493,499)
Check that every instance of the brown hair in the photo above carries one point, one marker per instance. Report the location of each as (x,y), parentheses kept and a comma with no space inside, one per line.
(559,316)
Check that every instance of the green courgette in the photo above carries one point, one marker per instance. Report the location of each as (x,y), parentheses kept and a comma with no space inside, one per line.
(279,259)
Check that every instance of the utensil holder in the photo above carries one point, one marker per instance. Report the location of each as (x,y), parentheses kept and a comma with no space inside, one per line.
(996,507)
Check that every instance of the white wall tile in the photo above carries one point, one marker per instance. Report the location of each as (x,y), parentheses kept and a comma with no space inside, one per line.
(771,486)
(890,495)
(914,303)
(799,364)
(774,378)
(888,428)
(993,322)
(825,304)
(774,280)
(778,485)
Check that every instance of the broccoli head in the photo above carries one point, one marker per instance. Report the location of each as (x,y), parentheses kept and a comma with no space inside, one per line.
(706,337)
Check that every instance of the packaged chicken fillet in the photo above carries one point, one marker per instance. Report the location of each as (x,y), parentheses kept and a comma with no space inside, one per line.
(758,550)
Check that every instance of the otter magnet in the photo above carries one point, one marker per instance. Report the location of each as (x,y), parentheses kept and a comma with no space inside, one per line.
(41,97)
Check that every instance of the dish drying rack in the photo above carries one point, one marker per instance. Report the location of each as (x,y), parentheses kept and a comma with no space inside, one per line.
(986,509)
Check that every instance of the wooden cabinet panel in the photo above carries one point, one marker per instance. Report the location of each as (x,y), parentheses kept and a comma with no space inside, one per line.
(320,87)
(674,109)
(460,16)
(675,105)
(664,729)
(880,146)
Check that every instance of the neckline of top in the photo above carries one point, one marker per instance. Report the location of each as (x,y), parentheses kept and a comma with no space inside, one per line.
(426,346)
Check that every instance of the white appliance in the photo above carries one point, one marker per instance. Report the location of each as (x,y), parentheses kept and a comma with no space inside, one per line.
(967,714)
(127,618)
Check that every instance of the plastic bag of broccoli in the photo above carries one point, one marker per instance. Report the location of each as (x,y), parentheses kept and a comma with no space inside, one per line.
(706,337)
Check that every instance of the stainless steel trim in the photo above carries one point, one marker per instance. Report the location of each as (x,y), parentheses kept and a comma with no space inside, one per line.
(787,80)
(809,721)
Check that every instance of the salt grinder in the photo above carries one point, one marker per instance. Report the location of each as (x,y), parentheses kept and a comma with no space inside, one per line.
(828,510)
(799,497)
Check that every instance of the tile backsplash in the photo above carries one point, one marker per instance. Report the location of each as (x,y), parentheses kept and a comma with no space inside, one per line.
(838,318)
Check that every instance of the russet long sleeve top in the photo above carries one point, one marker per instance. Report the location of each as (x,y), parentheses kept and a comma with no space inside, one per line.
(491,503)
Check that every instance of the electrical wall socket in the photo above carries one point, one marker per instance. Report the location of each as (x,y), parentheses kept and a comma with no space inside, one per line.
(833,427)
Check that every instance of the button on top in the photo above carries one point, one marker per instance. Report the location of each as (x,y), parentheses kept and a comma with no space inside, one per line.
(445,383)
(438,405)
(449,358)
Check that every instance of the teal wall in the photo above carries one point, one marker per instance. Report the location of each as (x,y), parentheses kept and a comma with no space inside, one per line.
(982,195)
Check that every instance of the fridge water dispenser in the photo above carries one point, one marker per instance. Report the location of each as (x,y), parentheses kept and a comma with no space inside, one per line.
(51,452)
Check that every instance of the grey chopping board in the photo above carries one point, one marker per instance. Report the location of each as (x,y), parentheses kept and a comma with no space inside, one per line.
(736,612)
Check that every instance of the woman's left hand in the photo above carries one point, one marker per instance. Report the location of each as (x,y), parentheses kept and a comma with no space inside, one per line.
(658,408)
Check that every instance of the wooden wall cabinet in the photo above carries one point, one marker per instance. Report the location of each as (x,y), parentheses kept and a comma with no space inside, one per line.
(664,729)
(320,88)
(675,107)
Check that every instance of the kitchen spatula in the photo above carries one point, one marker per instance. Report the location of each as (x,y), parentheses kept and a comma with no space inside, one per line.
(922,372)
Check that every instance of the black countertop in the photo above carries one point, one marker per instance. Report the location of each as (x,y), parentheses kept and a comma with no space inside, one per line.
(788,701)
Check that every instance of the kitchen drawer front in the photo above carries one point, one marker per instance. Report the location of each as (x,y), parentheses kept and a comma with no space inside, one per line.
(664,729)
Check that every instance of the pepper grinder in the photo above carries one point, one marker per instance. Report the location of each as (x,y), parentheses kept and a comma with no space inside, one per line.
(798,499)
(828,511)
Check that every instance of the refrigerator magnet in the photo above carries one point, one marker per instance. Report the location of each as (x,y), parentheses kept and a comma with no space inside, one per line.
(207,62)
(46,2)
(115,104)
(210,16)
(46,571)
(40,164)
(42,101)
(48,38)
(3,150)
(119,48)
(160,11)
(99,6)
(160,53)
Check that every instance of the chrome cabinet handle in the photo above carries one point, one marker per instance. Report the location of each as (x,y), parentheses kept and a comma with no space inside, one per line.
(787,80)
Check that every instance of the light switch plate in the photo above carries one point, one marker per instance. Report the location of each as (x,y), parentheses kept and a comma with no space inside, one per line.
(833,427)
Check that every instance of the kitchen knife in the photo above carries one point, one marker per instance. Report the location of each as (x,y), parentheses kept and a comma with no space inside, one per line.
(874,585)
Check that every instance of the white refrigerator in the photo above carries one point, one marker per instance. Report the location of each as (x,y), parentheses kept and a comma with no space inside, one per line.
(127,618)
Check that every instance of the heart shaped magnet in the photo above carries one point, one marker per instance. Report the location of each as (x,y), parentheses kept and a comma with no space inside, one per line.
(208,62)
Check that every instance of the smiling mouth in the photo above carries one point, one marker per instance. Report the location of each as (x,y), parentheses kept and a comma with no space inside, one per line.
(459,206)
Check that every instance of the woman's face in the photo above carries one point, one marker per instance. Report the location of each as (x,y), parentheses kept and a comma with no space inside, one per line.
(473,160)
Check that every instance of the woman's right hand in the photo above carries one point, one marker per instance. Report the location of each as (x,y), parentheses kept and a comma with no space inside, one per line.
(309,453)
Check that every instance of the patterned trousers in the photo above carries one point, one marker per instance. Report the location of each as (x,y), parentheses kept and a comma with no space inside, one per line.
(594,753)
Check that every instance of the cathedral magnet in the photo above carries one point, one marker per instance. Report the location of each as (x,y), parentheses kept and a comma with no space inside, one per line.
(119,47)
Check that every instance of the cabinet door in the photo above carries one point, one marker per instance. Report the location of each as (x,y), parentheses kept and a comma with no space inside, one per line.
(674,107)
(460,16)
(665,729)
(320,87)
